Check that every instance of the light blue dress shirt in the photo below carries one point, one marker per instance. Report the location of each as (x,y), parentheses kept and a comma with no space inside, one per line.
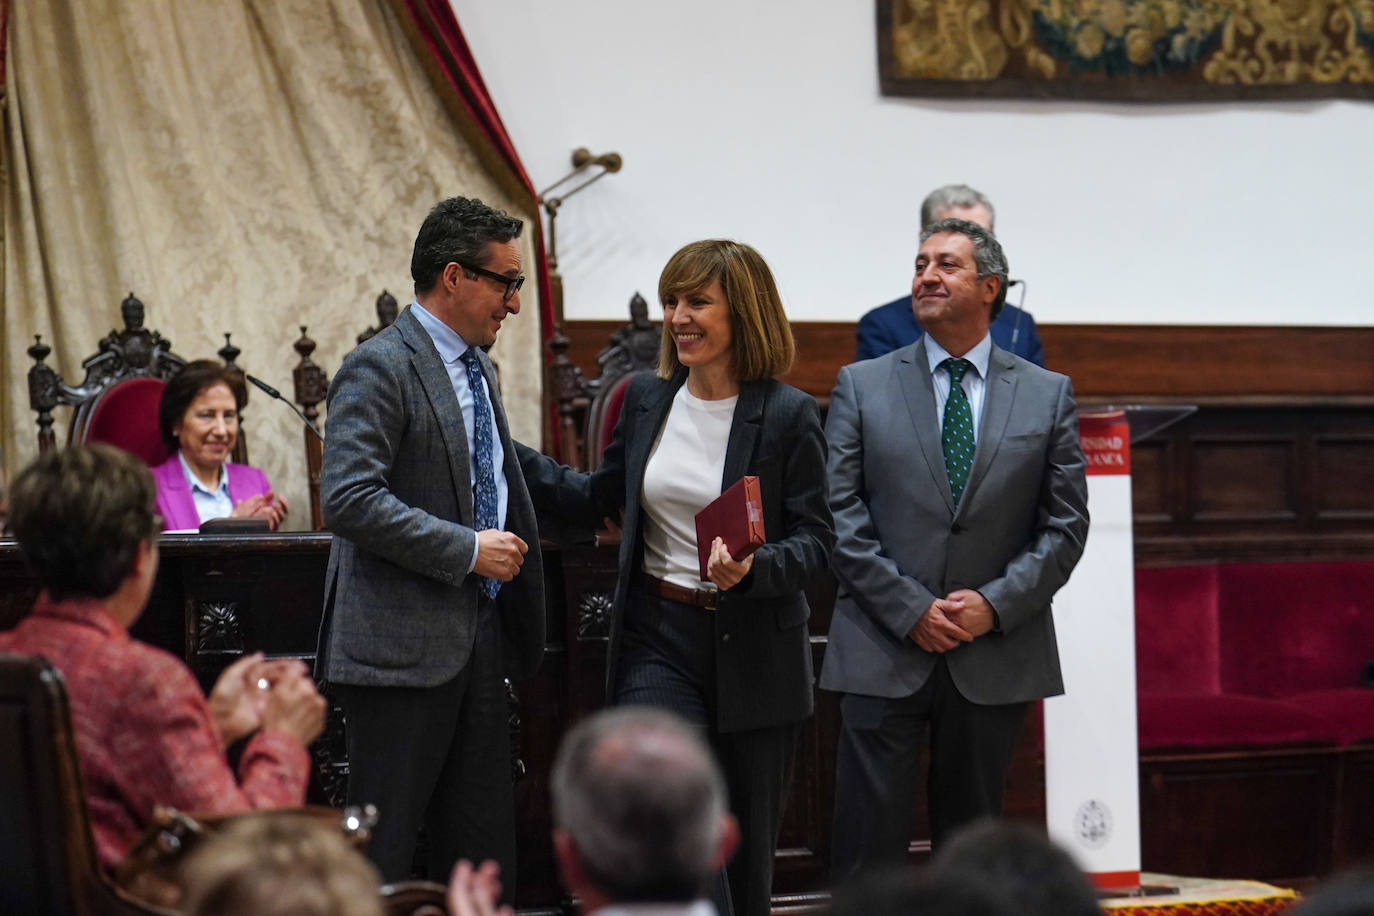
(451,348)
(975,383)
(209,503)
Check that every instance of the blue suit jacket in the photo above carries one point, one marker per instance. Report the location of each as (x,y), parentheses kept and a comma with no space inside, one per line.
(892,326)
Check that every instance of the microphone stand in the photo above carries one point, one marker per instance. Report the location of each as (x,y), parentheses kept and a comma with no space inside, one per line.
(276,395)
(1020,314)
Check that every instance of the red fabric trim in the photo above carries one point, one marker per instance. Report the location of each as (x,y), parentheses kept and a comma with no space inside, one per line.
(1110,880)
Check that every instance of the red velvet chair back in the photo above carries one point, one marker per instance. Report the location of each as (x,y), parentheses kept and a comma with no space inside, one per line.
(602,416)
(125,415)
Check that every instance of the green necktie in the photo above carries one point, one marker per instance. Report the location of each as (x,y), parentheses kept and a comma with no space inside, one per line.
(956,436)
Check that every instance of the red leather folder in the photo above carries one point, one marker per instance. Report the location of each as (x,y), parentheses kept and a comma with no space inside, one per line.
(736,517)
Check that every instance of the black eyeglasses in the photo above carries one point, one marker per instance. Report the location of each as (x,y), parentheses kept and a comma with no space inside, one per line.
(512,284)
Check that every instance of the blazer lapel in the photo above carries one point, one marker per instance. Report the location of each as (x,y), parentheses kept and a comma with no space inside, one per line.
(744,432)
(434,378)
(649,418)
(998,397)
(179,500)
(913,375)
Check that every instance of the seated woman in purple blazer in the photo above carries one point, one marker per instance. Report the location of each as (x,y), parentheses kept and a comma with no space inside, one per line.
(199,419)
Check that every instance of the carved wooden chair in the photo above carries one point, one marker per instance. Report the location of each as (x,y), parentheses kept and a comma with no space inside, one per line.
(589,408)
(117,401)
(311,385)
(45,834)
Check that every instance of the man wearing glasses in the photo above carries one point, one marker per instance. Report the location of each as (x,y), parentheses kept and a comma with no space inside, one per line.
(431,598)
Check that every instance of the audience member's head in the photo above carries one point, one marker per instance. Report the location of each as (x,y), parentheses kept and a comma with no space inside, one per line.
(959,201)
(279,864)
(905,892)
(988,255)
(1348,894)
(83,516)
(1021,863)
(639,810)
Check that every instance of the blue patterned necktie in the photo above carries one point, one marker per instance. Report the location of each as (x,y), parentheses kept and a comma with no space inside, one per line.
(956,436)
(484,487)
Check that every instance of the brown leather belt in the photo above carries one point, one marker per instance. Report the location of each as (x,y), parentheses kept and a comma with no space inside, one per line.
(704,598)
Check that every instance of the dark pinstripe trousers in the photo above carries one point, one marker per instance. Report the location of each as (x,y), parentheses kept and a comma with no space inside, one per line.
(668,660)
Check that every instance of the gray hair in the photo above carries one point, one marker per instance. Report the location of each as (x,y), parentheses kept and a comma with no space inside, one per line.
(643,802)
(953,195)
(988,256)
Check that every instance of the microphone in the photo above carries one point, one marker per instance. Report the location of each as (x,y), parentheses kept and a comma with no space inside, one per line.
(1021,312)
(276,395)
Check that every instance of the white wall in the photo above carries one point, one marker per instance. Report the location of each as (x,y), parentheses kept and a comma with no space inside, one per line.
(761,120)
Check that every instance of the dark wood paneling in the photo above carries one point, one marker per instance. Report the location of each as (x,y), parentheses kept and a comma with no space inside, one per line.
(1126,363)
(1254,482)
(1264,815)
(1176,362)
(1243,478)
(1277,464)
(1354,802)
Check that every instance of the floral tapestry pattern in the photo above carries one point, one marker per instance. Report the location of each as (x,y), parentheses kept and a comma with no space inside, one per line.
(1148,50)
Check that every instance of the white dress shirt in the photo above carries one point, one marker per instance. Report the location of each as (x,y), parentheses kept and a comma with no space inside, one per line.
(209,503)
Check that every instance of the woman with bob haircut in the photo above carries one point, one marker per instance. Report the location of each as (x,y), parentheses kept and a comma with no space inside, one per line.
(731,654)
(199,422)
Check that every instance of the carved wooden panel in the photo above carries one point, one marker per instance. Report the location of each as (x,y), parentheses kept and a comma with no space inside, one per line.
(1151,471)
(1263,482)
(1342,475)
(1243,478)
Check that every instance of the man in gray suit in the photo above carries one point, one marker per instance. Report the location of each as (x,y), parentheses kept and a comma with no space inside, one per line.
(960,501)
(427,604)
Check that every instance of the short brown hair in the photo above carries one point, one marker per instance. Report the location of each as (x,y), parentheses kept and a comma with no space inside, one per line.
(183,387)
(761,343)
(277,862)
(79,515)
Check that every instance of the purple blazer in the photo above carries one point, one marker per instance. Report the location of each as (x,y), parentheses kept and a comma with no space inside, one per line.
(174,502)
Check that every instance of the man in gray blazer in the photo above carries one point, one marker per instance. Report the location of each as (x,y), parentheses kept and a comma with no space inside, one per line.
(430,598)
(960,501)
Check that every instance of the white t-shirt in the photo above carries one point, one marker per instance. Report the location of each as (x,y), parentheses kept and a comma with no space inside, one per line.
(683,476)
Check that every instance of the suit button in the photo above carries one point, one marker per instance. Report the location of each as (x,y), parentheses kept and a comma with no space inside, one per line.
(725,638)
(956,529)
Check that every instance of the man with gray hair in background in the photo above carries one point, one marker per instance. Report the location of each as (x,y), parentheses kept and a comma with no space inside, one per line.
(640,820)
(893,325)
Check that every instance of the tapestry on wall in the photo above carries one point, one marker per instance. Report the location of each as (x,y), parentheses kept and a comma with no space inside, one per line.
(1142,50)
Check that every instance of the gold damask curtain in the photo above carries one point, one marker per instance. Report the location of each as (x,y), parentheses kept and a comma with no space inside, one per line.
(241,165)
